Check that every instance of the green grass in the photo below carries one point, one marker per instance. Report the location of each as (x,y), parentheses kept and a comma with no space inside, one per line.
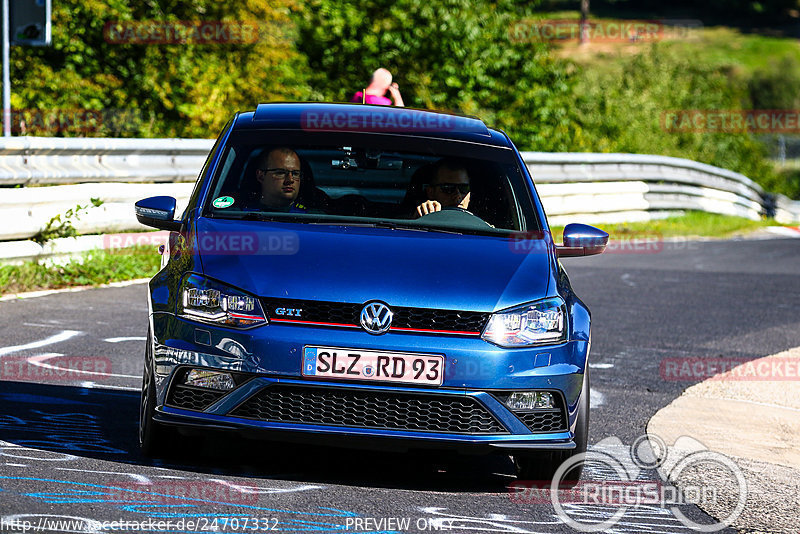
(712,46)
(727,46)
(93,268)
(693,223)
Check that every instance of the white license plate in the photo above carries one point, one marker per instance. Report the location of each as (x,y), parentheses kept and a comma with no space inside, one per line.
(379,366)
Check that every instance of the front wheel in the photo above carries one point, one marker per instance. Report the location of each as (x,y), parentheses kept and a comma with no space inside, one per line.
(543,465)
(154,438)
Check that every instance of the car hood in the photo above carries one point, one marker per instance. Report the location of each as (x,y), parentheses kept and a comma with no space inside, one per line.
(358,264)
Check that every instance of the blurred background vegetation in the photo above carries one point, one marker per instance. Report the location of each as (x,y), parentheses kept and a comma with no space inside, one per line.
(455,55)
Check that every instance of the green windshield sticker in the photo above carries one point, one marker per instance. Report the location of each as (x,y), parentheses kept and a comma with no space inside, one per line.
(222,202)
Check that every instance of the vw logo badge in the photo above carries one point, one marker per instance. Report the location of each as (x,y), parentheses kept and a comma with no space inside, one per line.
(376,317)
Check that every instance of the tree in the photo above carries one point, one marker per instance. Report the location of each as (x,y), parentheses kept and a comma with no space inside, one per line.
(456,55)
(177,89)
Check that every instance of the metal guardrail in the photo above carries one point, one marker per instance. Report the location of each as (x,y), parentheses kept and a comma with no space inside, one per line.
(588,187)
(55,160)
(574,187)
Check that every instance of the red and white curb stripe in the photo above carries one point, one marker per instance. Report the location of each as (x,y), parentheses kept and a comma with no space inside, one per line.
(786,231)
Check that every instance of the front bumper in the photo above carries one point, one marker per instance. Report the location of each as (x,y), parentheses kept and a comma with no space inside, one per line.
(478,376)
(385,417)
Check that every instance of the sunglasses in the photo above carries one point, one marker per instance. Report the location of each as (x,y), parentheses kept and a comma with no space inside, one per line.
(449,189)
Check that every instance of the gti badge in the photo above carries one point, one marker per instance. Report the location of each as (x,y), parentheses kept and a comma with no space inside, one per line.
(288,312)
(376,317)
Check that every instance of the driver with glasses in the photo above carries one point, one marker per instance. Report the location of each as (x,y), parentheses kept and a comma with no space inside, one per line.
(278,172)
(449,187)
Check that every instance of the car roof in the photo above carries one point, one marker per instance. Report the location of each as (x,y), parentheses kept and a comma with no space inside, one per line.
(366,118)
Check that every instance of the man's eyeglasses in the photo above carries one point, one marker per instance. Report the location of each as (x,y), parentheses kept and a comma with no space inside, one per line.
(283,174)
(449,189)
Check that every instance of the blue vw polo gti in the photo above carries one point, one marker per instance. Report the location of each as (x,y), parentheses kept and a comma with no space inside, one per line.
(359,275)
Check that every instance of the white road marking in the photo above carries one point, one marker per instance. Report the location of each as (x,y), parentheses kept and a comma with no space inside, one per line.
(15,465)
(40,359)
(596,398)
(95,385)
(601,365)
(626,279)
(119,339)
(139,478)
(255,489)
(17,450)
(58,338)
(47,292)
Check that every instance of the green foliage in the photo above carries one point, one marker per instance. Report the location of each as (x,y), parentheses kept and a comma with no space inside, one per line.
(692,223)
(719,9)
(151,90)
(61,224)
(457,55)
(445,54)
(774,85)
(92,268)
(785,181)
(625,111)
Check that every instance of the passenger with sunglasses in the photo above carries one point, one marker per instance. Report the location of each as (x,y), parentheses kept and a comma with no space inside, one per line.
(449,188)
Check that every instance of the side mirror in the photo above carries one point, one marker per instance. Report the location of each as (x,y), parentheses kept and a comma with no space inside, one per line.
(158,212)
(582,240)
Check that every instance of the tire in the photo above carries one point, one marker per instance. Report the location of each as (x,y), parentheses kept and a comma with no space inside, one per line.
(154,438)
(542,466)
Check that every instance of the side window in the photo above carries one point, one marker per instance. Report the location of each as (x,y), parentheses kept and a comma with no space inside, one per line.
(201,178)
(225,175)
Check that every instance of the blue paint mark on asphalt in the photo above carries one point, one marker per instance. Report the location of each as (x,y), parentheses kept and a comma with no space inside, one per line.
(76,495)
(42,399)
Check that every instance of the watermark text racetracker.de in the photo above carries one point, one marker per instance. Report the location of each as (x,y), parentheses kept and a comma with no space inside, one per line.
(54,367)
(22,523)
(266,242)
(186,32)
(601,30)
(35,121)
(759,121)
(729,369)
(387,120)
(631,243)
(177,491)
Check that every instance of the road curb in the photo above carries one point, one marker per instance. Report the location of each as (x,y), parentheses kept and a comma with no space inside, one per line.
(752,417)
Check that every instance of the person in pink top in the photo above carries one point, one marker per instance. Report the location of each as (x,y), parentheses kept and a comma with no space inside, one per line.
(375,92)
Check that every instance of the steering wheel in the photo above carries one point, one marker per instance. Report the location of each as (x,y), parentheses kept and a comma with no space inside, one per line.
(456,217)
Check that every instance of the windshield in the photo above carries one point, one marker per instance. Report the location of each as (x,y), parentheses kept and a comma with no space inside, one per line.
(373,186)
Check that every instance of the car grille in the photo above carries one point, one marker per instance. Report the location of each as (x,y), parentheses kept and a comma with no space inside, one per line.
(369,409)
(544,421)
(192,398)
(347,314)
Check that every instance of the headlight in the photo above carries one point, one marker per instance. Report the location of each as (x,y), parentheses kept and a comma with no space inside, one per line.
(211,302)
(532,324)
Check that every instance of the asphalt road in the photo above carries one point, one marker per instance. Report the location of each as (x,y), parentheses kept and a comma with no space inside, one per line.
(68,448)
